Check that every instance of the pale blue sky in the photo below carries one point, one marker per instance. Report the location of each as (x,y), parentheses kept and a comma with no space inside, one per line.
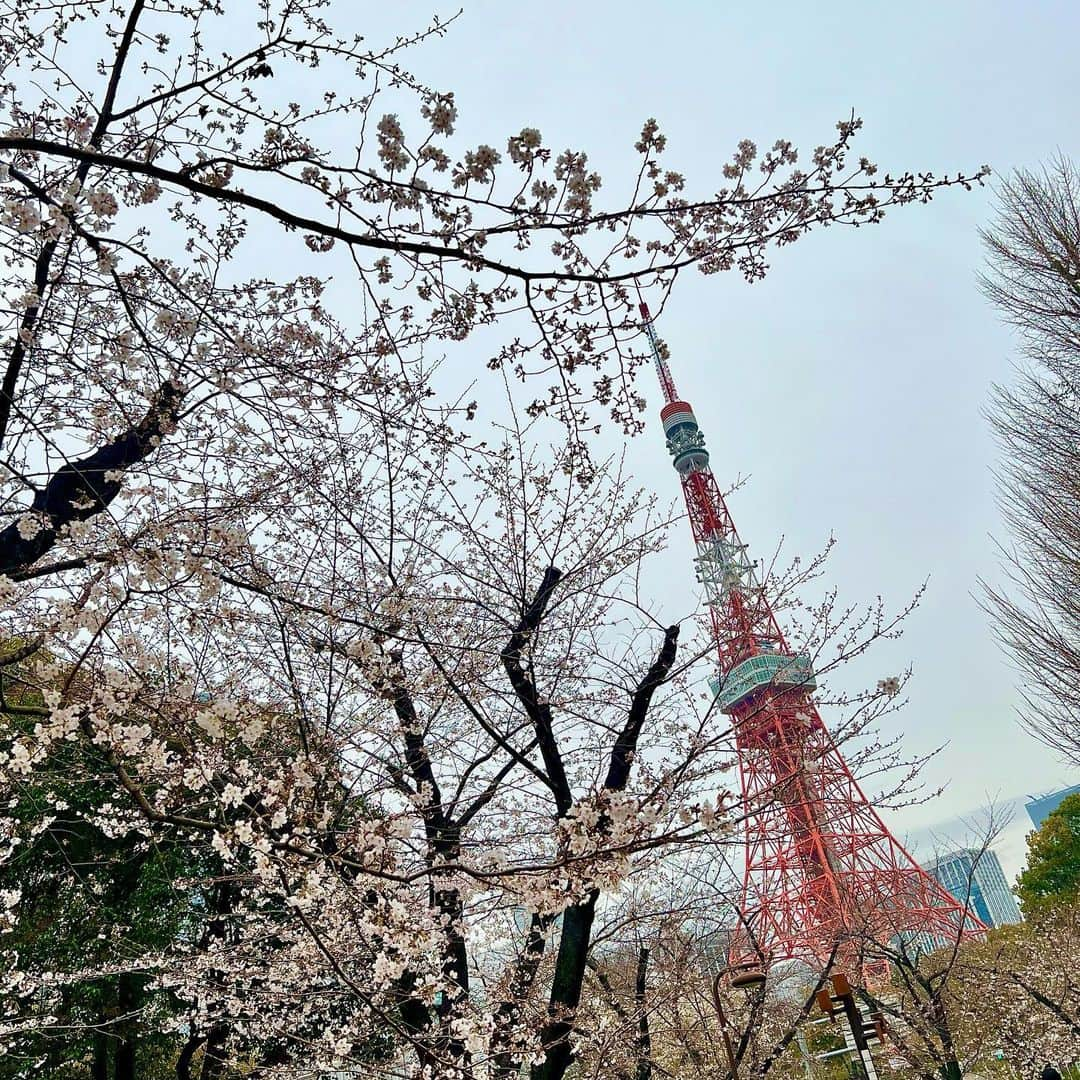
(850,384)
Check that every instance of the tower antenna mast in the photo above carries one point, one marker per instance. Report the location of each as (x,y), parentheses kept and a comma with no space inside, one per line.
(822,872)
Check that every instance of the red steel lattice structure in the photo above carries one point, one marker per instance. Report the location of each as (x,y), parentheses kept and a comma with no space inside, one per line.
(822,871)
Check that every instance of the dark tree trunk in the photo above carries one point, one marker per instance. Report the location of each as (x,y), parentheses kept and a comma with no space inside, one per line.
(573,954)
(565,997)
(214,1057)
(183,1062)
(521,981)
(125,1060)
(644,1040)
(124,1065)
(99,1069)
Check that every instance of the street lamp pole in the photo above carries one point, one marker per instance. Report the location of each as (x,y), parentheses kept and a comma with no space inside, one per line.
(732,1065)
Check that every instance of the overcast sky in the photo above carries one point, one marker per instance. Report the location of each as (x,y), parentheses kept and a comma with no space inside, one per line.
(850,385)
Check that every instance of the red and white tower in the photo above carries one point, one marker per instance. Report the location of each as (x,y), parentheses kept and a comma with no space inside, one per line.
(822,872)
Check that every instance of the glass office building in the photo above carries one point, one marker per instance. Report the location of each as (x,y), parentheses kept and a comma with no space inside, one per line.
(1038,808)
(977,878)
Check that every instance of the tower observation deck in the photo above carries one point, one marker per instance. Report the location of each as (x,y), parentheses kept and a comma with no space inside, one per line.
(822,874)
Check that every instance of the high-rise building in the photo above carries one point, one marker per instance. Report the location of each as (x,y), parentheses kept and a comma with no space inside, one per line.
(1040,807)
(976,877)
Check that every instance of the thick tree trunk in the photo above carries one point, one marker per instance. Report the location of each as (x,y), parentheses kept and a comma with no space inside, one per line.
(951,1071)
(573,954)
(566,985)
(214,1057)
(950,1068)
(99,1069)
(522,977)
(125,1060)
(124,1066)
(183,1062)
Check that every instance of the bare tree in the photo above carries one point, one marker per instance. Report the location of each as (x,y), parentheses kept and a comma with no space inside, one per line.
(1034,279)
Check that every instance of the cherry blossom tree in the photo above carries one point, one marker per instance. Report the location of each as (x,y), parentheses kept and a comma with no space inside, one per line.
(133,187)
(650,1001)
(950,1003)
(425,722)
(1024,989)
(389,671)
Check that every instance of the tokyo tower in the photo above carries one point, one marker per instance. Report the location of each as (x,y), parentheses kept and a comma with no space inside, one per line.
(822,873)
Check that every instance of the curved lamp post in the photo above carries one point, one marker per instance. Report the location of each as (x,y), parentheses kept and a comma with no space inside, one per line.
(742,979)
